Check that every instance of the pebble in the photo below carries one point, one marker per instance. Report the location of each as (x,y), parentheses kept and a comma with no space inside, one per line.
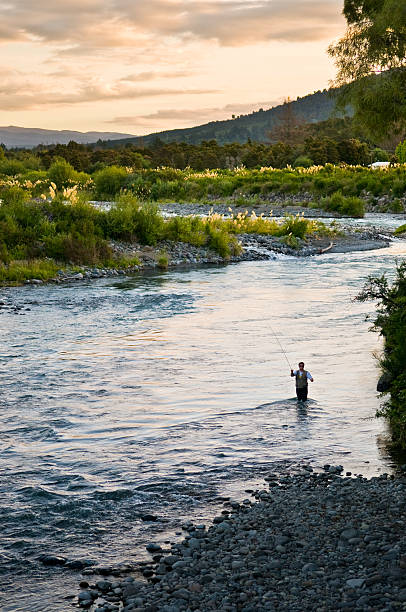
(286,553)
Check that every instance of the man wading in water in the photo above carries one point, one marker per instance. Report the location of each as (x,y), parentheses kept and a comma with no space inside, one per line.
(301,381)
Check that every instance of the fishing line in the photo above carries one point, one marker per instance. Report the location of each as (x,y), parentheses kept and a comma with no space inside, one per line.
(281,347)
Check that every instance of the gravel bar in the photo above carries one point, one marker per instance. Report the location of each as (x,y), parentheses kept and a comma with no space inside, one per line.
(310,540)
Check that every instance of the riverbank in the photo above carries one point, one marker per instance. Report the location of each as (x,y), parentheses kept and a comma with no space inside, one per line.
(315,541)
(254,247)
(55,241)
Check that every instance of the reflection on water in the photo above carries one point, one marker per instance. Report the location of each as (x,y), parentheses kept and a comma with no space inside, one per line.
(161,393)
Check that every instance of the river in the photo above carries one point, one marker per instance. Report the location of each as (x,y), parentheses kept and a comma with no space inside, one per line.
(165,392)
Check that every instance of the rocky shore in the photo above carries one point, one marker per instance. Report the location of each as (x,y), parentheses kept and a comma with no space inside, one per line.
(280,205)
(308,541)
(255,247)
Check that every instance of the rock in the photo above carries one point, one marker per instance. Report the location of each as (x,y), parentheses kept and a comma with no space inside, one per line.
(51,560)
(149,517)
(182,594)
(384,382)
(170,559)
(194,543)
(309,568)
(307,549)
(348,534)
(79,564)
(85,597)
(104,585)
(153,547)
(401,596)
(355,583)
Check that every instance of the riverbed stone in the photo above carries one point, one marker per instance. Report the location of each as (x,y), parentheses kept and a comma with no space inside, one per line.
(333,533)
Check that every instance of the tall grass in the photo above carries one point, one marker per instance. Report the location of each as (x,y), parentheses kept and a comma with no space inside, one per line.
(20,270)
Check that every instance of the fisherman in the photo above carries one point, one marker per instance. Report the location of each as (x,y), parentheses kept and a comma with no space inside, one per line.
(302,376)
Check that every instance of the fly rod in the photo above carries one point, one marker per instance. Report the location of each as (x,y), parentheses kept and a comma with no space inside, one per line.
(282,349)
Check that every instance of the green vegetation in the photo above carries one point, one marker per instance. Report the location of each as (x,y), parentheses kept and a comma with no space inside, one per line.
(109,181)
(333,140)
(248,187)
(401,152)
(350,206)
(46,215)
(400,230)
(391,323)
(162,260)
(38,236)
(63,174)
(371,61)
(18,271)
(334,188)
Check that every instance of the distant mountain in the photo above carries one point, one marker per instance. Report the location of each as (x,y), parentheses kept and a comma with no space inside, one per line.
(256,126)
(13,136)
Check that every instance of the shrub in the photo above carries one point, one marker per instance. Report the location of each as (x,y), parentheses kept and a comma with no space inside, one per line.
(14,196)
(391,323)
(77,248)
(219,241)
(163,260)
(19,271)
(109,181)
(295,226)
(401,152)
(11,167)
(400,230)
(186,229)
(349,206)
(379,155)
(399,187)
(396,206)
(119,222)
(149,223)
(61,173)
(303,161)
(130,219)
(290,241)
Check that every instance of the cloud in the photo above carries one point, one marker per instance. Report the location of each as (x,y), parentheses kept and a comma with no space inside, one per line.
(19,92)
(152,76)
(197,116)
(85,25)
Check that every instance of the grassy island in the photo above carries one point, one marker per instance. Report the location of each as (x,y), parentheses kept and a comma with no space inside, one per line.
(48,220)
(39,236)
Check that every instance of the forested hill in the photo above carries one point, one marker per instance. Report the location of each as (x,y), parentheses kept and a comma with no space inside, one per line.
(257,126)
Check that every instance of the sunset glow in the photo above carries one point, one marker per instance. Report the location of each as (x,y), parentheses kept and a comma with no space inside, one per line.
(141,66)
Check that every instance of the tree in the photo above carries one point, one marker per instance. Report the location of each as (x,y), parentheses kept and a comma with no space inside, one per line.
(401,152)
(371,62)
(290,127)
(391,323)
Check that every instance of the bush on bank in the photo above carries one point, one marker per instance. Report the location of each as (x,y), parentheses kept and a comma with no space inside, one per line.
(319,181)
(391,323)
(240,185)
(79,233)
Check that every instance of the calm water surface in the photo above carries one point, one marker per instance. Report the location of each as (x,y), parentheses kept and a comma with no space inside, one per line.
(162,393)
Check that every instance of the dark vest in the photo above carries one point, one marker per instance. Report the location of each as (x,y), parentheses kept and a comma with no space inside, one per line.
(301,381)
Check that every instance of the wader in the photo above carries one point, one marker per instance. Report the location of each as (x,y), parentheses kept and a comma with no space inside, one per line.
(301,386)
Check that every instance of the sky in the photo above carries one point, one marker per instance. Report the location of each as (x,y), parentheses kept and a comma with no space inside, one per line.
(141,66)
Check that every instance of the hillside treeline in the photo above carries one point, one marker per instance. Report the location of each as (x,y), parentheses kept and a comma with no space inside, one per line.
(333,141)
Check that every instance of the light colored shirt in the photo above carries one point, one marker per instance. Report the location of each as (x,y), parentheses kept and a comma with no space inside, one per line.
(309,376)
